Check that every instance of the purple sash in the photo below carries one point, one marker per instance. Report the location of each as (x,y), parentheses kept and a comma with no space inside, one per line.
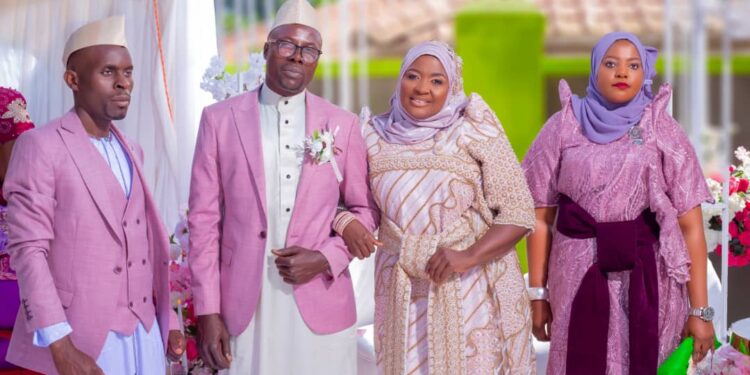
(620,246)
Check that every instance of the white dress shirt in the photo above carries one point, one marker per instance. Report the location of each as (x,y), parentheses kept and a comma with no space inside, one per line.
(277,340)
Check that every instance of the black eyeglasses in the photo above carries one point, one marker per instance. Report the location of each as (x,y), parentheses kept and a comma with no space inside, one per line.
(288,49)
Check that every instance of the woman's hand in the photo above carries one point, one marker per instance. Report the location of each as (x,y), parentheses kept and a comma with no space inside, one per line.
(446,262)
(541,320)
(703,335)
(360,242)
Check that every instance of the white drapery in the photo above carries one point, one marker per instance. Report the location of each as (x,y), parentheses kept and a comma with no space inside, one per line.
(32,37)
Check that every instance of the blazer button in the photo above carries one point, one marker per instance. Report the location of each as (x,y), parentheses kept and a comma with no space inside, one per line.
(130,304)
(144,261)
(263,234)
(130,264)
(124,223)
(145,299)
(117,270)
(138,221)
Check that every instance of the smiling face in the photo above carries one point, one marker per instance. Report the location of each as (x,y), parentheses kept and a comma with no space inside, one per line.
(288,76)
(620,75)
(424,87)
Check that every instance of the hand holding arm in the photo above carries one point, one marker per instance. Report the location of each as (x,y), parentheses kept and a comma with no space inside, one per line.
(358,239)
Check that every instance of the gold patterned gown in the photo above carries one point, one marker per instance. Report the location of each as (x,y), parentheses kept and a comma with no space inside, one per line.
(446,192)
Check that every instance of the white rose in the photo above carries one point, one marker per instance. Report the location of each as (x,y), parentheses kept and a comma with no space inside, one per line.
(715,188)
(316,146)
(736,204)
(326,156)
(743,155)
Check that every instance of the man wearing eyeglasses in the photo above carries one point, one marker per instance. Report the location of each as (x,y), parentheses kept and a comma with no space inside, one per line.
(271,287)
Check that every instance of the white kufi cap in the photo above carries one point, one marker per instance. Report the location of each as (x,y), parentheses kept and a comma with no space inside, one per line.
(296,11)
(108,31)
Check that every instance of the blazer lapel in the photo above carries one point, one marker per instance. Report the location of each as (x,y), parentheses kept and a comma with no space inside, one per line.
(247,120)
(96,174)
(314,120)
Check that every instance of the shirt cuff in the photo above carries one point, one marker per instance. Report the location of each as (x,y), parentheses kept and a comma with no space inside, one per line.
(44,337)
(342,219)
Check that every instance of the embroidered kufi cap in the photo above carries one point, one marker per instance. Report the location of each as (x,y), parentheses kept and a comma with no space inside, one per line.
(107,31)
(296,11)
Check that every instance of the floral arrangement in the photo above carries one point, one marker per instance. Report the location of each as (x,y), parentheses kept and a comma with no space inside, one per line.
(182,301)
(726,361)
(321,148)
(223,85)
(739,212)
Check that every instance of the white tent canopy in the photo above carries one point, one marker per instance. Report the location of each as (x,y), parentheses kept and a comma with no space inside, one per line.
(171,43)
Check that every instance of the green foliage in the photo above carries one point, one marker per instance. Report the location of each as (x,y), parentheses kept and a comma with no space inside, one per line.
(502,47)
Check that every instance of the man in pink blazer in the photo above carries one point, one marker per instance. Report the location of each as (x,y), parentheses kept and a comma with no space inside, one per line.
(270,279)
(89,249)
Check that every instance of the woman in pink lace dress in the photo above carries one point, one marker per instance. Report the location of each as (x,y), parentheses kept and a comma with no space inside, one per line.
(14,120)
(626,257)
(449,294)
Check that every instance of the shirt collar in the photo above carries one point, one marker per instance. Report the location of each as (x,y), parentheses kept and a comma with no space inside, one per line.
(269,97)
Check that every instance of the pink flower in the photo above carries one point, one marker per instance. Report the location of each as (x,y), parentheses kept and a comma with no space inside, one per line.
(742,185)
(734,230)
(742,260)
(733,185)
(744,238)
(735,260)
(191,348)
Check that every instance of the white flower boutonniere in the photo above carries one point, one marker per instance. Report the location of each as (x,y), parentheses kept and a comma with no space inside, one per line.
(320,146)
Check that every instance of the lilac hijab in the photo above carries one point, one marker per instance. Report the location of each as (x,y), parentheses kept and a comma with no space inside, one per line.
(601,121)
(397,126)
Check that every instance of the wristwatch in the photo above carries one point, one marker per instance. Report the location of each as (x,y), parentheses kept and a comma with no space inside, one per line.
(706,313)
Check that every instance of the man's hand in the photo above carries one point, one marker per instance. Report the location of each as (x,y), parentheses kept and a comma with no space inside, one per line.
(359,240)
(71,361)
(176,345)
(213,341)
(298,265)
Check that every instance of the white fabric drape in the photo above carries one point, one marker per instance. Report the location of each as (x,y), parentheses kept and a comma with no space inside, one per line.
(32,37)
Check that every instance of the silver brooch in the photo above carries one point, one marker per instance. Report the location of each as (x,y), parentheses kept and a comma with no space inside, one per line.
(635,135)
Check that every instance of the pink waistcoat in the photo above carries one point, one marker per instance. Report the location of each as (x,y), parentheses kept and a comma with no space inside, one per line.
(135,301)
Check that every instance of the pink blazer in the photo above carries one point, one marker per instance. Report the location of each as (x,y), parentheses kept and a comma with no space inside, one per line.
(227,215)
(66,241)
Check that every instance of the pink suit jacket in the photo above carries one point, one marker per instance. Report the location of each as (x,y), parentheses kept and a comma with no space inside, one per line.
(66,240)
(227,216)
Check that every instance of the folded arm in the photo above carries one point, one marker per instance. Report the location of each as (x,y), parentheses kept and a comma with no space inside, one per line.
(356,198)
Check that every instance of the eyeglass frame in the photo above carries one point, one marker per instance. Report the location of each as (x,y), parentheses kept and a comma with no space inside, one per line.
(297,47)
